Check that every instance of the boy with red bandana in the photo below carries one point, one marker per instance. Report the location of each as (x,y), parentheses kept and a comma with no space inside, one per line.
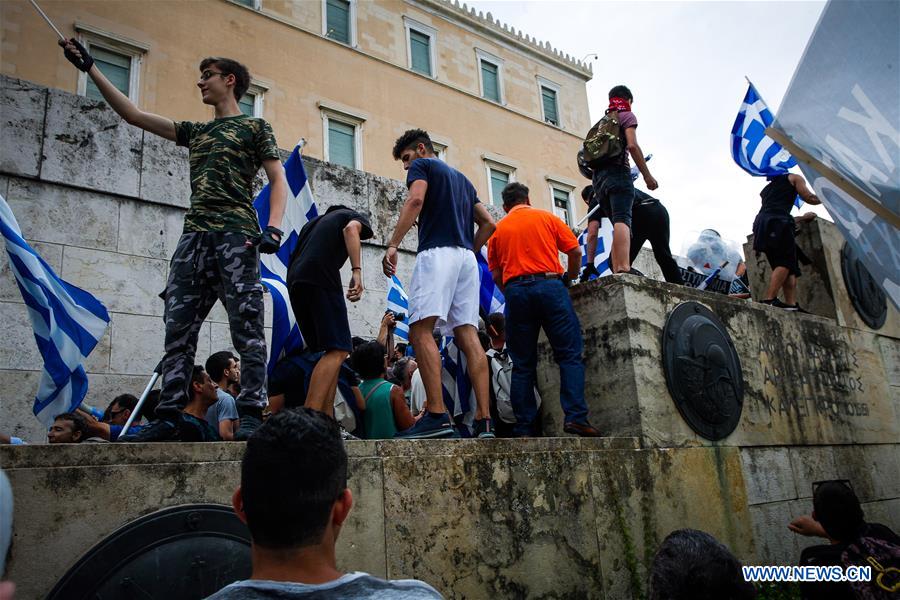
(613,186)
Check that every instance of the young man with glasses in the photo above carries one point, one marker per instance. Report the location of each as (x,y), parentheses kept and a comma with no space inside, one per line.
(217,256)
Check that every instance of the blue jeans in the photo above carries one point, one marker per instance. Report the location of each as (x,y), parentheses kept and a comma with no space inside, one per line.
(530,305)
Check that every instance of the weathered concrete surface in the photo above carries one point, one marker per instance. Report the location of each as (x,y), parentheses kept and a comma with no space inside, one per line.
(820,288)
(22,108)
(806,380)
(506,519)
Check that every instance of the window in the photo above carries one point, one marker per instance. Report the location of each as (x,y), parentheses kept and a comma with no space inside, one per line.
(252,102)
(338,20)
(498,175)
(549,101)
(343,136)
(420,42)
(117,57)
(562,204)
(254,4)
(490,70)
(440,149)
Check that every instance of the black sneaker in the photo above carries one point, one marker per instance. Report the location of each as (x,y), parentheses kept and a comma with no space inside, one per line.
(633,271)
(250,422)
(484,429)
(776,303)
(430,425)
(158,430)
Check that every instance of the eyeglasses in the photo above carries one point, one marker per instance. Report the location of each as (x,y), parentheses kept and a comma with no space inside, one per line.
(207,74)
(845,482)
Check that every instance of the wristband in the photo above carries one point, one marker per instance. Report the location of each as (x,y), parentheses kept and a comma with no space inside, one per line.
(356,268)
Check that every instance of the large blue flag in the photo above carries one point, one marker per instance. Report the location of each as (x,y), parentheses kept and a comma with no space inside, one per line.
(751,148)
(67,321)
(300,209)
(398,302)
(603,253)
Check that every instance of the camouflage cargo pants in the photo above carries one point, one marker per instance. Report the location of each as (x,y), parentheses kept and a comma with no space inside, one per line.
(210,266)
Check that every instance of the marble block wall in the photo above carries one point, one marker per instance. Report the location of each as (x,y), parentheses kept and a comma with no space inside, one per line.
(103,203)
(538,518)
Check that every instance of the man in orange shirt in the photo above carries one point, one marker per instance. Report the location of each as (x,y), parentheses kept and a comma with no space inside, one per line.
(523,256)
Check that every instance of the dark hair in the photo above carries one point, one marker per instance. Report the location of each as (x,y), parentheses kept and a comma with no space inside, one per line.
(368,360)
(837,509)
(411,139)
(514,193)
(294,468)
(217,363)
(148,408)
(693,565)
(357,341)
(78,422)
(230,67)
(498,321)
(125,401)
(586,193)
(484,339)
(197,375)
(620,91)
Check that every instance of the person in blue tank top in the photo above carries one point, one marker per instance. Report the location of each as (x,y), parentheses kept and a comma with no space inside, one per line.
(445,282)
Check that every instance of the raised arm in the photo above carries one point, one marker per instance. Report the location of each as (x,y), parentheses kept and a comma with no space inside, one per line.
(119,102)
(486,226)
(638,156)
(408,215)
(803,190)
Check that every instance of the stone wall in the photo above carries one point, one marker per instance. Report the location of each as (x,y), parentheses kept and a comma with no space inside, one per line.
(561,518)
(103,204)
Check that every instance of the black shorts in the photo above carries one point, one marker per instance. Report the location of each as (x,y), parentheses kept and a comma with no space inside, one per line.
(322,317)
(614,190)
(785,256)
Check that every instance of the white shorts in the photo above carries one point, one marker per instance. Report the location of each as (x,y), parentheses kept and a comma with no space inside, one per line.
(445,284)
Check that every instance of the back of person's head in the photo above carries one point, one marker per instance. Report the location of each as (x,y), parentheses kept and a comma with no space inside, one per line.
(621,91)
(294,469)
(368,360)
(217,363)
(693,565)
(230,67)
(148,409)
(410,139)
(357,341)
(120,403)
(398,370)
(514,193)
(837,509)
(587,192)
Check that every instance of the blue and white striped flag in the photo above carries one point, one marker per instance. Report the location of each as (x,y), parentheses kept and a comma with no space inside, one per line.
(459,395)
(751,148)
(604,248)
(67,321)
(490,298)
(300,209)
(398,301)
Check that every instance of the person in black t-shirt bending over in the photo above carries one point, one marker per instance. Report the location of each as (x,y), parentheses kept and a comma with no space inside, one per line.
(314,284)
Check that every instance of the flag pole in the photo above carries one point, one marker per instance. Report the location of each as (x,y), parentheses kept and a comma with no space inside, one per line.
(137,407)
(46,18)
(587,216)
(836,178)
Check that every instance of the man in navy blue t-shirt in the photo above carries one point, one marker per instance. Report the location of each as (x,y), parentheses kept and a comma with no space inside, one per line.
(445,281)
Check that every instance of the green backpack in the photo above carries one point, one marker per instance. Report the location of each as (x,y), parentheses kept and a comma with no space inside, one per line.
(603,142)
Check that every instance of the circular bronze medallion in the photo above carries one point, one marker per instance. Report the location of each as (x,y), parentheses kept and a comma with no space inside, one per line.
(866,295)
(703,371)
(183,552)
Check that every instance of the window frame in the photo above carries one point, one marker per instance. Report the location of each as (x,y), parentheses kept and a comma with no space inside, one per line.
(484,56)
(410,24)
(556,185)
(440,149)
(494,164)
(554,87)
(355,120)
(258,91)
(90,36)
(351,26)
(252,5)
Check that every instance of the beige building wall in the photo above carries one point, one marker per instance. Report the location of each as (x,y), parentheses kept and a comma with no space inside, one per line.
(304,75)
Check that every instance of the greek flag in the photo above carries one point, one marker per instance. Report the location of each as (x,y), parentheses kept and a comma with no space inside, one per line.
(398,302)
(751,148)
(604,248)
(490,298)
(459,395)
(67,321)
(300,208)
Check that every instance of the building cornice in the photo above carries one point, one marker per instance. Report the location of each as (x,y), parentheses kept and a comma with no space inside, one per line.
(494,28)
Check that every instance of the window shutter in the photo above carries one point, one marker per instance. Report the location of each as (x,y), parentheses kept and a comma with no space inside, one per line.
(490,81)
(341,146)
(551,112)
(337,20)
(116,67)
(420,52)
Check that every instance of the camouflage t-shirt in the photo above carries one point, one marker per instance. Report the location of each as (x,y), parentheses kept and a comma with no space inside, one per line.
(225,155)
